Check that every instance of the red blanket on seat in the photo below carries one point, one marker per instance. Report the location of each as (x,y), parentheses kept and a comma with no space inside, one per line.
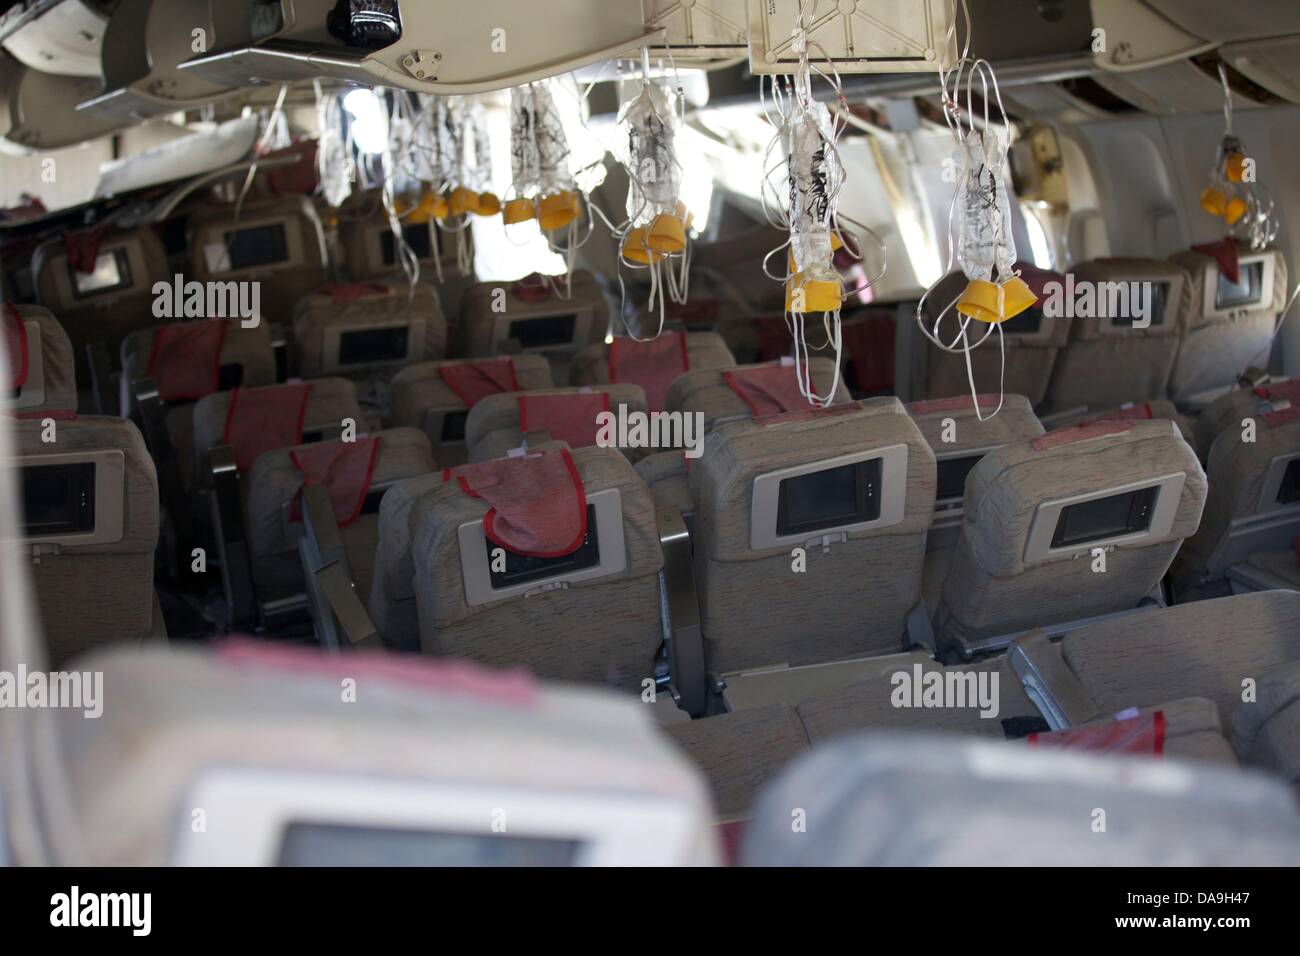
(652,365)
(474,381)
(344,468)
(570,418)
(264,419)
(185,361)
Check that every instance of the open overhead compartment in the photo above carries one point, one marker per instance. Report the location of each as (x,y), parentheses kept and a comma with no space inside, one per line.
(39,110)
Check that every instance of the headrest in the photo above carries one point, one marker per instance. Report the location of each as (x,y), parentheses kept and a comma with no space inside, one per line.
(40,373)
(356,327)
(1104,296)
(350,471)
(1205,264)
(122,264)
(736,392)
(489,312)
(1007,490)
(868,337)
(184,715)
(653,365)
(436,519)
(882,798)
(569,414)
(187,359)
(723,480)
(1015,422)
(124,480)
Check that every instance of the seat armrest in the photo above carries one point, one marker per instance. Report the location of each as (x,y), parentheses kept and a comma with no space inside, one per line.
(681,610)
(340,618)
(152,411)
(1049,682)
(232,538)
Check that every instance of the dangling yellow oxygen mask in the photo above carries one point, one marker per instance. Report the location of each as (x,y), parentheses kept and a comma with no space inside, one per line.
(1233,194)
(980,240)
(655,236)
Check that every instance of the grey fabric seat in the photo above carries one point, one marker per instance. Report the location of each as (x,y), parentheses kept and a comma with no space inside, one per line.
(492,314)
(756,610)
(51,384)
(1036,510)
(706,391)
(601,629)
(704,350)
(274,482)
(1221,343)
(335,328)
(288,226)
(911,800)
(420,397)
(494,423)
(1247,489)
(1266,730)
(1108,360)
(1232,409)
(93,583)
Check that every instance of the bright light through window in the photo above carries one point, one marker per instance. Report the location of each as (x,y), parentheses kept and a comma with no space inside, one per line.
(1040,247)
(369,120)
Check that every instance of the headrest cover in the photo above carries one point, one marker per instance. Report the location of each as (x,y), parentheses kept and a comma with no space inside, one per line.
(82,247)
(185,362)
(652,365)
(15,348)
(1281,417)
(340,292)
(472,381)
(345,468)
(570,417)
(1288,390)
(1037,278)
(1078,433)
(538,502)
(1226,254)
(1127,734)
(958,403)
(767,389)
(1132,412)
(262,419)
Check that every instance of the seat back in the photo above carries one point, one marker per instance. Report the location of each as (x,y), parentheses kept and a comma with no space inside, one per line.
(1231,327)
(245,358)
(884,797)
(1110,359)
(1037,511)
(809,534)
(90,504)
(501,422)
(41,371)
(274,524)
(360,328)
(437,396)
(592,615)
(715,394)
(1253,503)
(278,243)
(105,292)
(674,354)
(500,317)
(1232,408)
(371,252)
(1031,339)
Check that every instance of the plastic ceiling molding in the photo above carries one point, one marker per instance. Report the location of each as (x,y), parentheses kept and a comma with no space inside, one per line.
(65,41)
(859,36)
(1137,38)
(699,30)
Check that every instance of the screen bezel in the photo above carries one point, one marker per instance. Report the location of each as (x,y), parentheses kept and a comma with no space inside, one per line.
(1273,485)
(215,257)
(125,277)
(1210,294)
(1144,497)
(1038,544)
(766,490)
(382,265)
(1165,325)
(110,484)
(333,343)
(475,570)
(257,804)
(583,316)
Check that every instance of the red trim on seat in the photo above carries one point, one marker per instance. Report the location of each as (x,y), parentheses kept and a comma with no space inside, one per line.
(264,419)
(340,292)
(185,360)
(958,403)
(472,382)
(808,414)
(1281,417)
(1077,433)
(345,468)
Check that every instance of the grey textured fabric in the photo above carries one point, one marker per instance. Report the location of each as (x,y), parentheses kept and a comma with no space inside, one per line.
(92,593)
(1266,728)
(755,609)
(1215,351)
(868,704)
(739,752)
(283,283)
(1016,421)
(992,590)
(914,800)
(1160,408)
(707,391)
(362,233)
(318,318)
(488,310)
(174,716)
(493,424)
(250,349)
(704,350)
(57,365)
(417,391)
(667,475)
(1281,563)
(1106,365)
(1202,649)
(392,591)
(1230,410)
(330,402)
(603,630)
(1237,470)
(108,316)
(1029,357)
(273,483)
